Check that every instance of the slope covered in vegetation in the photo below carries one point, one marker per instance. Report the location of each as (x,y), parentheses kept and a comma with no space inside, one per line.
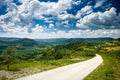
(39,59)
(110,69)
(31,55)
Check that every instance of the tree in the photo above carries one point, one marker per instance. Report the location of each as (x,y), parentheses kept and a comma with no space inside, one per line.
(67,53)
(58,54)
(9,56)
(49,51)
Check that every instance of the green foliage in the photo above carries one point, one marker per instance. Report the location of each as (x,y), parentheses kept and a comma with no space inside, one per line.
(38,57)
(49,50)
(115,54)
(58,55)
(9,56)
(104,72)
(26,42)
(56,52)
(3,78)
(59,51)
(110,69)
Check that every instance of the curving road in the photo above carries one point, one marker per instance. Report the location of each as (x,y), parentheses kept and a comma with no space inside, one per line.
(77,71)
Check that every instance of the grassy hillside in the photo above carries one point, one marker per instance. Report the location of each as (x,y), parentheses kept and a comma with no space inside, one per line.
(22,44)
(34,56)
(40,59)
(110,69)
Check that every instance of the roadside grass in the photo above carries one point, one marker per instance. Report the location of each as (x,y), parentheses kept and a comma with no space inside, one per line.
(4,78)
(22,67)
(116,69)
(104,71)
(110,69)
(41,63)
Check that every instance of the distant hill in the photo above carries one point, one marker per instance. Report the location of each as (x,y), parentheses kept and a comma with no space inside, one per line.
(31,42)
(16,41)
(115,42)
(8,39)
(66,40)
(19,43)
(25,42)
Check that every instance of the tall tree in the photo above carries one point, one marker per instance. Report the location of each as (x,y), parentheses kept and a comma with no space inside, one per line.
(49,51)
(9,56)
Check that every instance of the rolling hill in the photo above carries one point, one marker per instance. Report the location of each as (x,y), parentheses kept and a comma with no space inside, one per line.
(68,40)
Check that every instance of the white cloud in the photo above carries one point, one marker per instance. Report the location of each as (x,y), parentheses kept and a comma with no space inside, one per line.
(11,28)
(51,25)
(65,16)
(100,20)
(84,11)
(78,15)
(76,2)
(65,22)
(99,3)
(39,8)
(23,14)
(38,29)
(48,21)
(20,30)
(115,33)
(4,2)
(19,20)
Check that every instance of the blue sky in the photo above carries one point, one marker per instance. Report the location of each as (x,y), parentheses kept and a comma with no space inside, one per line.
(60,18)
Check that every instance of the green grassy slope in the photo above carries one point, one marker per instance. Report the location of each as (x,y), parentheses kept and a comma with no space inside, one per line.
(110,69)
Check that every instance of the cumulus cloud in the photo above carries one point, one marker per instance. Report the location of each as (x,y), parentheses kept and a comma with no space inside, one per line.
(24,14)
(51,25)
(70,34)
(39,8)
(65,22)
(11,28)
(4,2)
(38,29)
(99,3)
(66,16)
(84,11)
(76,2)
(100,20)
(19,20)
